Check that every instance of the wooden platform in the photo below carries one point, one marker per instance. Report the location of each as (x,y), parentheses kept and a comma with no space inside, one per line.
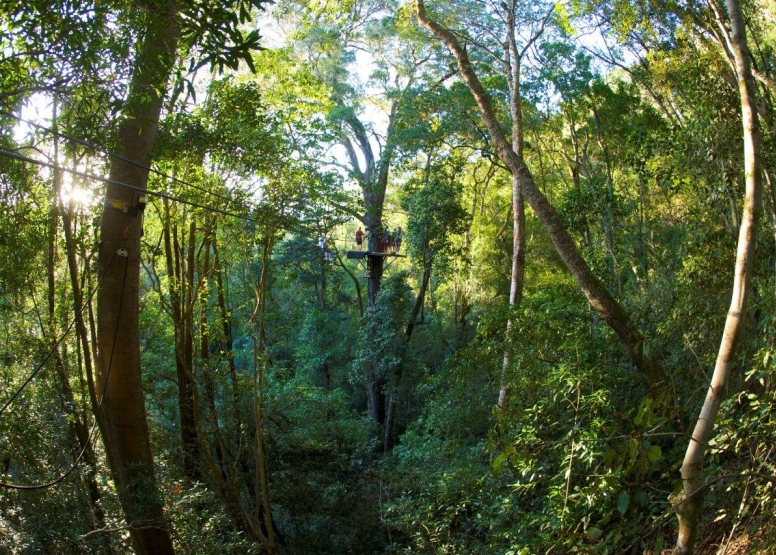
(358,255)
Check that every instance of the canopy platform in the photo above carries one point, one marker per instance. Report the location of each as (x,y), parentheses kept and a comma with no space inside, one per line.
(358,255)
(372,256)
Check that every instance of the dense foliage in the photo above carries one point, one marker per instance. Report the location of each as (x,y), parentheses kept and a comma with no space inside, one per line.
(301,400)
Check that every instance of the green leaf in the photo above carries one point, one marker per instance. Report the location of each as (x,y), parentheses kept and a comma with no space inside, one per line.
(499,461)
(654,453)
(623,501)
(593,533)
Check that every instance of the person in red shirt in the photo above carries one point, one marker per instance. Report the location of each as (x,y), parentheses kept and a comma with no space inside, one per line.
(359,239)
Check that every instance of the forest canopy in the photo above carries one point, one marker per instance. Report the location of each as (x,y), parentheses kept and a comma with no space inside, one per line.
(387,276)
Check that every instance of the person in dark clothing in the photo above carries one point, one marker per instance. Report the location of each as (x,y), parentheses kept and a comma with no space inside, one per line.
(396,240)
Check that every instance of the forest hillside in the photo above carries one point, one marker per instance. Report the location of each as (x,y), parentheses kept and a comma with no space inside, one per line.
(387,276)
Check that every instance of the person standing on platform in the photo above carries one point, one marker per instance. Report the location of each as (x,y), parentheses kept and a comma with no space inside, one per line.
(323,243)
(397,233)
(359,239)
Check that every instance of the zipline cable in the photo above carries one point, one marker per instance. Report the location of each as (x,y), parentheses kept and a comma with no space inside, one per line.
(127,160)
(113,155)
(22,158)
(99,406)
(59,341)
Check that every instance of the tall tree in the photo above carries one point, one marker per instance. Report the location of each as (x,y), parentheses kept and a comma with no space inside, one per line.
(435,215)
(514,55)
(180,247)
(80,421)
(123,417)
(366,128)
(598,296)
(689,503)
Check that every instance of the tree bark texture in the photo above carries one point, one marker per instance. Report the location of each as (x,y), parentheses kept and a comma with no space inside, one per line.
(688,504)
(599,298)
(123,416)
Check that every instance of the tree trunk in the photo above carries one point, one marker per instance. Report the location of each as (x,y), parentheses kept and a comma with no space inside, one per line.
(375,384)
(517,275)
(81,330)
(227,349)
(207,375)
(123,417)
(771,198)
(80,422)
(688,504)
(390,412)
(600,299)
(188,416)
(373,180)
(356,284)
(204,355)
(227,485)
(180,274)
(261,493)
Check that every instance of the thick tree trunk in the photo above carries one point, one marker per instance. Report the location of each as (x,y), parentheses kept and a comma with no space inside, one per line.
(600,299)
(688,504)
(123,417)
